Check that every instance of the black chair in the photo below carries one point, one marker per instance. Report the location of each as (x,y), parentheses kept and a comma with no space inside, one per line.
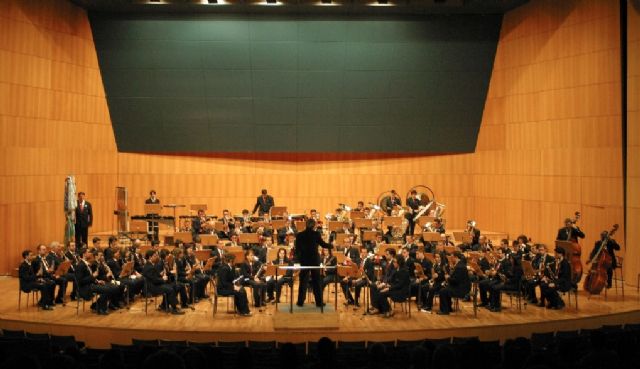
(263,345)
(463,340)
(33,294)
(148,294)
(409,343)
(216,296)
(65,343)
(540,341)
(144,343)
(438,341)
(37,336)
(80,298)
(231,344)
(351,345)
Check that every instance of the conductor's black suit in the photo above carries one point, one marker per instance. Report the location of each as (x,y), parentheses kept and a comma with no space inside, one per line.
(306,246)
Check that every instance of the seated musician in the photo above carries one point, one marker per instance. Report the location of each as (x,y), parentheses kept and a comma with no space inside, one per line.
(290,241)
(509,274)
(132,281)
(523,249)
(198,224)
(484,245)
(158,282)
(272,284)
(365,265)
(29,281)
(475,237)
(408,263)
(434,284)
(458,283)
(71,255)
(229,284)
(539,263)
(167,266)
(611,246)
(56,257)
(261,250)
(558,279)
(88,283)
(504,246)
(45,264)
(410,245)
(288,228)
(245,222)
(185,275)
(385,279)
(200,279)
(328,275)
(421,271)
(397,289)
(351,251)
(252,272)
(105,274)
(388,235)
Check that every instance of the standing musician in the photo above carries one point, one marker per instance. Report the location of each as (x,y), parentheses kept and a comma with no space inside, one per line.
(473,232)
(154,227)
(365,266)
(392,201)
(158,282)
(133,281)
(570,232)
(88,283)
(458,284)
(229,285)
(45,269)
(272,284)
(252,271)
(306,248)
(84,220)
(29,281)
(540,262)
(264,202)
(611,245)
(557,279)
(414,204)
(397,289)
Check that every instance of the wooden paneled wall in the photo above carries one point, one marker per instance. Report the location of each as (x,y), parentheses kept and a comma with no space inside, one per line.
(550,141)
(632,261)
(54,121)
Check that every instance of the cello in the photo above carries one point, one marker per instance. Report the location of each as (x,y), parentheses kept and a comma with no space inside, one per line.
(596,279)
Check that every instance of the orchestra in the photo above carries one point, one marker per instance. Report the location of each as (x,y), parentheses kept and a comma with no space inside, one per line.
(391,269)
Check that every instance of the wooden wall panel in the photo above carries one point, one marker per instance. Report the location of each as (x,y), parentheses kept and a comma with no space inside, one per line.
(54,121)
(632,261)
(553,108)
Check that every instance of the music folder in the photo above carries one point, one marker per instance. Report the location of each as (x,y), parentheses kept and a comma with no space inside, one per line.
(155,209)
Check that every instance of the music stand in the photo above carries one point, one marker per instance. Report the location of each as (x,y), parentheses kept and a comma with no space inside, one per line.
(154,209)
(244,238)
(278,223)
(527,269)
(425,219)
(300,225)
(277,211)
(363,223)
(463,237)
(198,207)
(334,225)
(392,221)
(63,268)
(356,214)
(175,218)
(202,254)
(208,239)
(340,237)
(431,236)
(127,269)
(369,235)
(185,237)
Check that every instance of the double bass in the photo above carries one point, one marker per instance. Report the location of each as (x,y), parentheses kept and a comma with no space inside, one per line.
(574,256)
(596,279)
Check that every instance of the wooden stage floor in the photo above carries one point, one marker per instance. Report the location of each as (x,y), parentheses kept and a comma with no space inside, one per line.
(199,325)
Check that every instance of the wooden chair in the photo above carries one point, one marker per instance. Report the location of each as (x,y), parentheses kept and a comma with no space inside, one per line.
(618,275)
(34,294)
(79,298)
(215,296)
(148,295)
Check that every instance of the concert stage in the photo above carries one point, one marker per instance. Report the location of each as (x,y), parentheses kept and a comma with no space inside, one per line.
(200,325)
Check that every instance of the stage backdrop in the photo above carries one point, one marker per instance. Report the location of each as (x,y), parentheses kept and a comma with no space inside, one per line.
(220,83)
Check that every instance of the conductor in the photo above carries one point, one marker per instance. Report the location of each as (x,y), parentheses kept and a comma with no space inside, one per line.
(306,247)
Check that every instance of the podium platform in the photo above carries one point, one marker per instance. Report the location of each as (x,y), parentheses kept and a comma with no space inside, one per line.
(307,317)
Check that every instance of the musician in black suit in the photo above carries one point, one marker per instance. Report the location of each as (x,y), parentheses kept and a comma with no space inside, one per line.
(539,264)
(328,275)
(414,204)
(386,278)
(434,284)
(44,269)
(264,202)
(158,283)
(84,220)
(509,273)
(458,283)
(570,232)
(154,227)
(29,281)
(88,284)
(287,278)
(252,271)
(306,248)
(611,246)
(227,285)
(54,258)
(133,282)
(365,265)
(392,201)
(559,280)
(398,289)
(197,224)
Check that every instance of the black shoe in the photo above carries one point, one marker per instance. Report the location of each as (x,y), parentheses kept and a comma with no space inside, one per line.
(321,305)
(47,307)
(533,301)
(483,304)
(442,313)
(299,304)
(495,309)
(348,302)
(177,312)
(540,304)
(357,305)
(113,307)
(246,314)
(59,301)
(103,312)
